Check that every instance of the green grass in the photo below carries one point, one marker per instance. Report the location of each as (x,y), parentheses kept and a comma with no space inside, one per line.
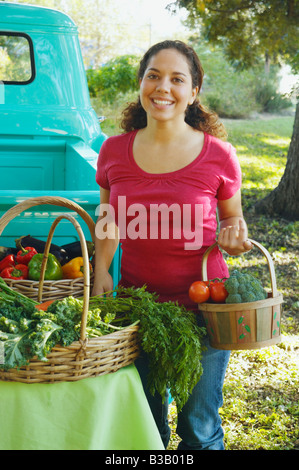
(262,148)
(261,390)
(261,398)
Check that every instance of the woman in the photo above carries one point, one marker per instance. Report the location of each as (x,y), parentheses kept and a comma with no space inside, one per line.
(165,179)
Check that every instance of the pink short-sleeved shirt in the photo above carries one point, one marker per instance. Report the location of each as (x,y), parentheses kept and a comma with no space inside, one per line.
(168,220)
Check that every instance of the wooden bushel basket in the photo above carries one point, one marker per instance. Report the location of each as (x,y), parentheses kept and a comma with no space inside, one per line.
(88,357)
(250,325)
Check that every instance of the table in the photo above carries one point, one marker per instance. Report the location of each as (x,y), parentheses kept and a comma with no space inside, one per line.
(109,412)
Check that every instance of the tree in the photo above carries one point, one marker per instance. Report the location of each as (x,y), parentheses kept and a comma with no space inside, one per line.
(118,75)
(106,29)
(283,200)
(249,30)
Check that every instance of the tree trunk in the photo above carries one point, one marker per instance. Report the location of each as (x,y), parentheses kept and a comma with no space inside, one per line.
(284,199)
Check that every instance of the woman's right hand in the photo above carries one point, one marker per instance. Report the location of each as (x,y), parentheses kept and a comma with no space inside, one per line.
(103,282)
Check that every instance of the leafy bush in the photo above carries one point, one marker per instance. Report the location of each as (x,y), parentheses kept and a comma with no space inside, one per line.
(230,102)
(234,93)
(228,92)
(118,76)
(266,93)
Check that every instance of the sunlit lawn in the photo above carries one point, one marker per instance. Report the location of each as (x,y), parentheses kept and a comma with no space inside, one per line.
(262,149)
(261,399)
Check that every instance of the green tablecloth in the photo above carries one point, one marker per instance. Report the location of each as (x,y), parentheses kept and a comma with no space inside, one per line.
(109,412)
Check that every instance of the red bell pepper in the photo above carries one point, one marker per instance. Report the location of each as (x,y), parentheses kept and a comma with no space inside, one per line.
(7,262)
(20,272)
(25,254)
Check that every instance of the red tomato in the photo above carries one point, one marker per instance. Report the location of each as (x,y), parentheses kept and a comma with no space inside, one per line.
(218,291)
(199,292)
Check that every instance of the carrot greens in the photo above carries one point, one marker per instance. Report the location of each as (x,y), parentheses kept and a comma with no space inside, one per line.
(168,334)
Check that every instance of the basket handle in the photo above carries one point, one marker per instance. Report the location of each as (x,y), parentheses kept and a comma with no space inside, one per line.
(86,273)
(43,200)
(261,248)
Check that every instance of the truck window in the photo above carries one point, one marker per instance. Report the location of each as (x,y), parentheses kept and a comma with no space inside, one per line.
(16,58)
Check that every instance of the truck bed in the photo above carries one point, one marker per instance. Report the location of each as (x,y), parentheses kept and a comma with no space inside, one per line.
(34,167)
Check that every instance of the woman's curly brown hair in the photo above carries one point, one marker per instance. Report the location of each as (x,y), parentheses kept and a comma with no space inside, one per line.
(197,116)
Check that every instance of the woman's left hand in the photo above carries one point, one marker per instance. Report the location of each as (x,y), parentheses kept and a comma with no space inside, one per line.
(233,239)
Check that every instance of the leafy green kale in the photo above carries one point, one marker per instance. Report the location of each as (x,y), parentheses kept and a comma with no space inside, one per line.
(25,339)
(23,333)
(67,314)
(35,336)
(13,304)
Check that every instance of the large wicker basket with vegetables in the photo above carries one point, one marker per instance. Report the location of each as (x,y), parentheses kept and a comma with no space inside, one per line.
(71,338)
(246,324)
(67,342)
(55,285)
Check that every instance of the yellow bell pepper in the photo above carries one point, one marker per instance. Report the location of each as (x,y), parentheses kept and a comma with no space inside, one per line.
(74,268)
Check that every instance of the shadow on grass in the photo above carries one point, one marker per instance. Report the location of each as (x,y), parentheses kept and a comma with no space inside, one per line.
(262,148)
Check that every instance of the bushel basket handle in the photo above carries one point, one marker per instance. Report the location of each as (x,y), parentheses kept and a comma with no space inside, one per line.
(86,273)
(261,248)
(44,200)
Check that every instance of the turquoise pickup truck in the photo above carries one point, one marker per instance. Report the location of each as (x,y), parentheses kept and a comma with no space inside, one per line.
(50,135)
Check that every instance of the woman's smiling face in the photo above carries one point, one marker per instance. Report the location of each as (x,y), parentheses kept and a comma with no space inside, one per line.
(166,86)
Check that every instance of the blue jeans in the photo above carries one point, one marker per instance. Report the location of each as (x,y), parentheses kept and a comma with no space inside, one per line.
(199,423)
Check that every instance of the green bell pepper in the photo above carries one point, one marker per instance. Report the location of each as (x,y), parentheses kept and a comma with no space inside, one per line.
(53,268)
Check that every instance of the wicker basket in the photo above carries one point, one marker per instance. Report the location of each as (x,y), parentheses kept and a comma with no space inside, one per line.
(51,289)
(86,357)
(250,325)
